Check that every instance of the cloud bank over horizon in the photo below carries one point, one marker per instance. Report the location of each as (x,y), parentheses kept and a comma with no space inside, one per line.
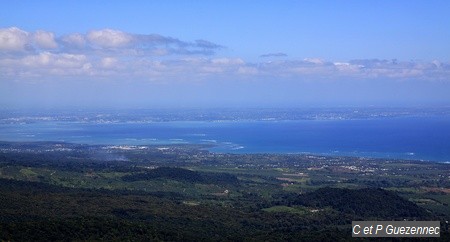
(109,53)
(157,69)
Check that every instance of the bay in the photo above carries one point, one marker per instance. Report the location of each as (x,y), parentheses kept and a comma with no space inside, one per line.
(402,138)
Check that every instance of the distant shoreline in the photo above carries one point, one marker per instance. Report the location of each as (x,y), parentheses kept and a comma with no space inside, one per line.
(14,147)
(408,138)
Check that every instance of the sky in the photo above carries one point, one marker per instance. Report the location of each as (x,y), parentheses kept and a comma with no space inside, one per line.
(224,53)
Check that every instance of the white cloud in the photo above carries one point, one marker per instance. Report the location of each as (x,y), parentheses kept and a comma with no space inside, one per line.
(247,70)
(119,55)
(109,62)
(102,42)
(74,40)
(43,66)
(41,59)
(345,67)
(227,61)
(47,64)
(47,59)
(44,40)
(69,60)
(316,61)
(109,38)
(13,39)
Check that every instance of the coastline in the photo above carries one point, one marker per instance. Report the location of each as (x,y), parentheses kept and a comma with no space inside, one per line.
(426,139)
(50,146)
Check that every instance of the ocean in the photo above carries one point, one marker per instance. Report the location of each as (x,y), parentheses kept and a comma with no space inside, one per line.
(397,138)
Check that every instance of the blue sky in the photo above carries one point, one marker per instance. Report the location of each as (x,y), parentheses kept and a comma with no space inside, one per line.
(224,53)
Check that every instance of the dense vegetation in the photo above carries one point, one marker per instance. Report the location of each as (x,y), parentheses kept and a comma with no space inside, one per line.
(185,194)
(184,175)
(366,203)
(33,211)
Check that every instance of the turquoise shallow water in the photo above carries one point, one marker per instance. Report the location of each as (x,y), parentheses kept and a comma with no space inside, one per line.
(406,138)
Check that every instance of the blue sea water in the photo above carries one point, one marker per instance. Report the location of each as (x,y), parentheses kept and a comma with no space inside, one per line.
(404,138)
